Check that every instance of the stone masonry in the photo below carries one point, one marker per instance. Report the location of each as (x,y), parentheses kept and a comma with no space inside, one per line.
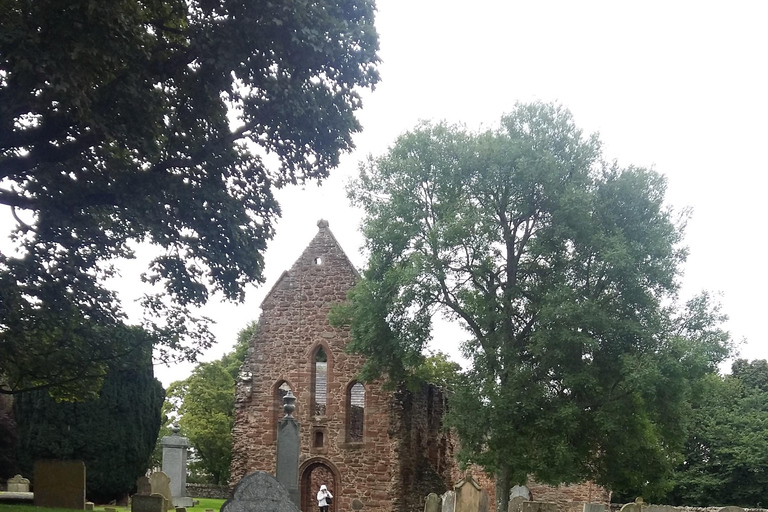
(402,455)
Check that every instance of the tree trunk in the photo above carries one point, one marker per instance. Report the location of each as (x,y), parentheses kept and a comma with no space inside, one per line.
(503,475)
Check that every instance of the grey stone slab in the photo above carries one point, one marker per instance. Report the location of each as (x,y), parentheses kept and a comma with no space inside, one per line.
(595,507)
(516,504)
(89,505)
(521,491)
(449,502)
(60,483)
(160,483)
(433,503)
(18,484)
(288,457)
(538,506)
(175,461)
(142,503)
(143,486)
(259,492)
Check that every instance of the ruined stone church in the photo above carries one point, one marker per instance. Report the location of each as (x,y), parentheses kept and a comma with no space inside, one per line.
(376,450)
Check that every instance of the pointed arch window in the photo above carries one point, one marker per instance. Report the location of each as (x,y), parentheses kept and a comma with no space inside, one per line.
(355,412)
(319,382)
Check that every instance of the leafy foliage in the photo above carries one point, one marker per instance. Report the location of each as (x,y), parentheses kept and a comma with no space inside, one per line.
(727,450)
(128,122)
(114,434)
(558,266)
(204,404)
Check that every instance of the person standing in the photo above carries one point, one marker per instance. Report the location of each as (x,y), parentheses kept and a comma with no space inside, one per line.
(324,497)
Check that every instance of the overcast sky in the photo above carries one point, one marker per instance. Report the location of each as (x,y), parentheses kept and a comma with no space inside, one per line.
(677,86)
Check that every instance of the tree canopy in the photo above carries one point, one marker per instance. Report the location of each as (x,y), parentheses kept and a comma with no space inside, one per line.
(563,270)
(726,452)
(204,405)
(129,122)
(113,434)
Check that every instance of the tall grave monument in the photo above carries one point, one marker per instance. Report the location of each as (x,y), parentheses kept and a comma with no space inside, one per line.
(288,450)
(175,465)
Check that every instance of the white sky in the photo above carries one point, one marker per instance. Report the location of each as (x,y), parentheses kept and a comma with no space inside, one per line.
(678,86)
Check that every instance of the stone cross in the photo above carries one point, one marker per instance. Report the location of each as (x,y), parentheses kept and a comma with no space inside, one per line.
(288,450)
(175,466)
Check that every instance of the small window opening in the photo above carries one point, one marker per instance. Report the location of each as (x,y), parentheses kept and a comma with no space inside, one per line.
(319,439)
(321,381)
(318,261)
(355,412)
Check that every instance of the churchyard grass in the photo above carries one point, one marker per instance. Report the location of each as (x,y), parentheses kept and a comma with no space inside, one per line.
(204,504)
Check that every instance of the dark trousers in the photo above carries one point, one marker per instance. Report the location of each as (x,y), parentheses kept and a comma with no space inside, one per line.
(324,509)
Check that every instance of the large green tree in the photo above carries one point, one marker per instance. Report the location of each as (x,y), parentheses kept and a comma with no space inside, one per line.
(133,121)
(204,406)
(113,434)
(562,269)
(726,453)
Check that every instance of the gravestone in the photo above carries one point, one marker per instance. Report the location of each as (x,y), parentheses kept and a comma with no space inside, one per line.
(89,505)
(18,484)
(449,501)
(166,504)
(433,503)
(538,506)
(259,492)
(60,483)
(516,504)
(520,491)
(160,484)
(470,497)
(144,503)
(143,486)
(595,507)
(288,450)
(637,506)
(175,466)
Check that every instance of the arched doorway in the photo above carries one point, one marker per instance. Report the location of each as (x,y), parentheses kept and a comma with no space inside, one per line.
(314,473)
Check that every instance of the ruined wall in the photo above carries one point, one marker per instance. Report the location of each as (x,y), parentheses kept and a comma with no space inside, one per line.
(292,326)
(404,453)
(424,450)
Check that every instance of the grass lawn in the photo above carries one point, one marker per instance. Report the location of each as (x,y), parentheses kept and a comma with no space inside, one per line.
(204,504)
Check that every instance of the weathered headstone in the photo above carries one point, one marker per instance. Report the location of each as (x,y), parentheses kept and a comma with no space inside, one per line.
(595,507)
(166,504)
(161,484)
(449,501)
(521,491)
(89,505)
(175,466)
(433,503)
(288,450)
(144,503)
(60,483)
(637,506)
(259,492)
(538,506)
(470,497)
(516,504)
(18,484)
(143,486)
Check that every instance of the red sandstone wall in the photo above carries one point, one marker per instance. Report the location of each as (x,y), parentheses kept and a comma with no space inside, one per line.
(293,323)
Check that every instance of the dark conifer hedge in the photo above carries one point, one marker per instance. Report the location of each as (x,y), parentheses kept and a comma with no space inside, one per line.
(114,435)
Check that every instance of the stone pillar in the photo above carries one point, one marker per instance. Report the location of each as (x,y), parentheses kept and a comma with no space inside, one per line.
(288,450)
(175,466)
